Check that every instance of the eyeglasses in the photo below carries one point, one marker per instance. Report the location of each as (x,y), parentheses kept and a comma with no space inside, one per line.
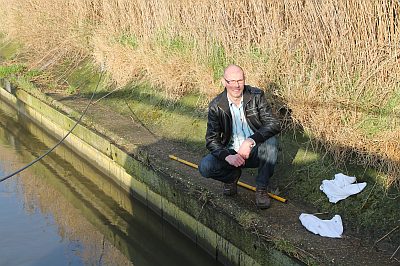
(232,82)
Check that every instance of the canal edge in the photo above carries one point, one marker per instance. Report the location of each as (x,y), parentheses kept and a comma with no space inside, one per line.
(132,173)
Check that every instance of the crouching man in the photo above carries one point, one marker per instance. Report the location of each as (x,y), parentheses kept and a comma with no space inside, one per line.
(240,134)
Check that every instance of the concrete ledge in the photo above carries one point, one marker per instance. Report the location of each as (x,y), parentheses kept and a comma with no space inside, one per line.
(216,232)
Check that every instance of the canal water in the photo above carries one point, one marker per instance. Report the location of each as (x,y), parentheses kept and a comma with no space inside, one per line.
(62,211)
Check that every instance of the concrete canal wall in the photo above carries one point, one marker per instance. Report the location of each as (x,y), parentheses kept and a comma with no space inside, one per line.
(157,190)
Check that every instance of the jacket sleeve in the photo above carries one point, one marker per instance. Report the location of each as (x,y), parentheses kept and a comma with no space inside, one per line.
(269,124)
(214,134)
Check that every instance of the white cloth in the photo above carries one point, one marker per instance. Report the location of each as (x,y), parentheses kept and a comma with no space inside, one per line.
(341,187)
(327,228)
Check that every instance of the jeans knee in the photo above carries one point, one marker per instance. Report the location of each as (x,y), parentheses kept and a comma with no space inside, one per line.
(269,150)
(203,167)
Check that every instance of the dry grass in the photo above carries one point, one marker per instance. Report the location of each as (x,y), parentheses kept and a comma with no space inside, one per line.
(335,62)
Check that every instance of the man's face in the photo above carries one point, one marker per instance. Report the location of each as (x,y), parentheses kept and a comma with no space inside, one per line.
(233,81)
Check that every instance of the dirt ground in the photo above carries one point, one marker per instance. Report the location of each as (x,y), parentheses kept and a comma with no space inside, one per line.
(280,222)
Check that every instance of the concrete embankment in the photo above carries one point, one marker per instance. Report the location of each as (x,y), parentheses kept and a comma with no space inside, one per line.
(185,204)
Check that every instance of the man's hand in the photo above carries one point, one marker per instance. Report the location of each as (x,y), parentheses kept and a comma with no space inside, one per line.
(245,148)
(235,160)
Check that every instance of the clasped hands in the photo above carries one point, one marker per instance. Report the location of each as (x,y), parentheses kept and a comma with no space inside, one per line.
(243,153)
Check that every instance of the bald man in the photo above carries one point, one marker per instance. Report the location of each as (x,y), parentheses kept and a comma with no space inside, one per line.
(240,134)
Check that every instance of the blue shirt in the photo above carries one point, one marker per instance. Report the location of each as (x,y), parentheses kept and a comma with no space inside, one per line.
(240,128)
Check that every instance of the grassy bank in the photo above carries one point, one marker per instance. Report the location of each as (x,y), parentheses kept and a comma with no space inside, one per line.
(300,170)
(301,167)
(334,64)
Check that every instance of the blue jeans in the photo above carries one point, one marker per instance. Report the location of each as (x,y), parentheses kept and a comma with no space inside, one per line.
(263,156)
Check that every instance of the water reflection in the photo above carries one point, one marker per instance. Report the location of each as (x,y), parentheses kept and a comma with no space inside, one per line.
(61,211)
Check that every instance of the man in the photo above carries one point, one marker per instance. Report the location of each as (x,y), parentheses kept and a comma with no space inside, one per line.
(240,134)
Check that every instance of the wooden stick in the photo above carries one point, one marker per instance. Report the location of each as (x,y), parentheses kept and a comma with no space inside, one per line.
(383,237)
(397,249)
(173,157)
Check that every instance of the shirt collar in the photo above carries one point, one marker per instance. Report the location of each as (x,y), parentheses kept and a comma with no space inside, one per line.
(232,103)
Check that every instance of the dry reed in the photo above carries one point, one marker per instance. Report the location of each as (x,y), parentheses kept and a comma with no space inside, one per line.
(335,63)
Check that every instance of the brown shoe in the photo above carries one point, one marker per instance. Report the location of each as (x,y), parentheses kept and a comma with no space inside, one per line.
(230,189)
(262,199)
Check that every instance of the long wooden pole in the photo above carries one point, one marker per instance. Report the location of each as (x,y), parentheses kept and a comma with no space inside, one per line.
(173,157)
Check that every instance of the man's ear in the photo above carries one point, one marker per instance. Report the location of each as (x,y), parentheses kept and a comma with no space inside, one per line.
(223,82)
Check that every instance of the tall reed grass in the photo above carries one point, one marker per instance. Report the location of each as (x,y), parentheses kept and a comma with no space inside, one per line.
(334,63)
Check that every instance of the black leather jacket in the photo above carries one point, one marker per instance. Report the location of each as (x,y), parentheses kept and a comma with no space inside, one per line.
(258,115)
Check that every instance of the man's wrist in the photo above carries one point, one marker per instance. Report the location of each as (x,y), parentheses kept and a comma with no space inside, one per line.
(253,142)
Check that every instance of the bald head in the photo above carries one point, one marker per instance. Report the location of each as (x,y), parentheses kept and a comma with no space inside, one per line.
(233,69)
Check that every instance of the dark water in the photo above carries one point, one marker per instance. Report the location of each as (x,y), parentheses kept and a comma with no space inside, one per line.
(61,211)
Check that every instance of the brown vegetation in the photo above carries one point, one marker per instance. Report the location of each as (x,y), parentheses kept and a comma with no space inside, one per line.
(334,63)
